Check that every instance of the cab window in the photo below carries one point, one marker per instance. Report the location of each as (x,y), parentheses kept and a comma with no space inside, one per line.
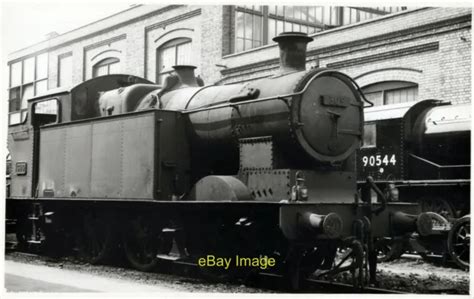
(45,112)
(370,135)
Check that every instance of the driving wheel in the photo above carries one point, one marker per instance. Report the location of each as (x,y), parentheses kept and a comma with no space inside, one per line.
(459,238)
(143,240)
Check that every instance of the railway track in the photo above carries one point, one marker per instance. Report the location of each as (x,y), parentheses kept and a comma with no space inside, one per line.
(410,274)
(271,281)
(265,281)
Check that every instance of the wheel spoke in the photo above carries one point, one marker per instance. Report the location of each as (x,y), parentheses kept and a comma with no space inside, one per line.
(142,243)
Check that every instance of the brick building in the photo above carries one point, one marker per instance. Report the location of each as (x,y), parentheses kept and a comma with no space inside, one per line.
(395,54)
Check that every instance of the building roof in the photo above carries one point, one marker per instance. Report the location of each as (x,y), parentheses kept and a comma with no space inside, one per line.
(122,18)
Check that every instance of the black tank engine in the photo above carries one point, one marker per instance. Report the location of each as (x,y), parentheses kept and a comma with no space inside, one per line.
(264,168)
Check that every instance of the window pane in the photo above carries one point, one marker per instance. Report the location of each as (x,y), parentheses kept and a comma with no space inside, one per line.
(65,71)
(327,15)
(370,135)
(279,27)
(313,29)
(257,30)
(319,15)
(375,97)
(41,87)
(239,45)
(28,93)
(248,44)
(114,68)
(184,54)
(334,16)
(15,79)
(297,12)
(15,99)
(15,118)
(239,25)
(47,107)
(353,16)
(289,14)
(271,29)
(401,95)
(296,27)
(29,70)
(42,66)
(280,10)
(346,15)
(312,14)
(168,58)
(248,26)
(100,70)
(304,13)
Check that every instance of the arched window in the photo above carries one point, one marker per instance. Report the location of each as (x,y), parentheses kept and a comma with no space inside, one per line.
(106,66)
(174,52)
(391,92)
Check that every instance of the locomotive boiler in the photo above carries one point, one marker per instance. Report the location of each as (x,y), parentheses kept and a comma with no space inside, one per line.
(181,171)
(420,152)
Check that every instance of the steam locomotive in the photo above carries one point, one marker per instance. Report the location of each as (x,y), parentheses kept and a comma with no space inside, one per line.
(420,152)
(181,171)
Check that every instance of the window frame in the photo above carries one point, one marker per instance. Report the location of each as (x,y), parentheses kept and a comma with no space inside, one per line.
(106,62)
(23,112)
(387,86)
(374,144)
(266,15)
(58,110)
(174,43)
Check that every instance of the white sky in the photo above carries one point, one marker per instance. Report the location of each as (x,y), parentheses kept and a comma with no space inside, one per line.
(26,23)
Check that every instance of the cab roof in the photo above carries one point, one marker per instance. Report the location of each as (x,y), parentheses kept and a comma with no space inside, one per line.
(387,111)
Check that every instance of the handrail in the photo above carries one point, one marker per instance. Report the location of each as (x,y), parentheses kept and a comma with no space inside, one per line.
(438,165)
(284,97)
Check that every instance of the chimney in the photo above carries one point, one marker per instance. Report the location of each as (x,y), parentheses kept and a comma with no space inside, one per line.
(186,75)
(292,51)
(51,35)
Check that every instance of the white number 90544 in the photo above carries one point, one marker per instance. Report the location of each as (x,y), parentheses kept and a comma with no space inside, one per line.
(377,160)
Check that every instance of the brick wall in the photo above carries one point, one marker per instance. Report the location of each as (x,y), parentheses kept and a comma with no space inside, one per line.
(428,46)
(126,43)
